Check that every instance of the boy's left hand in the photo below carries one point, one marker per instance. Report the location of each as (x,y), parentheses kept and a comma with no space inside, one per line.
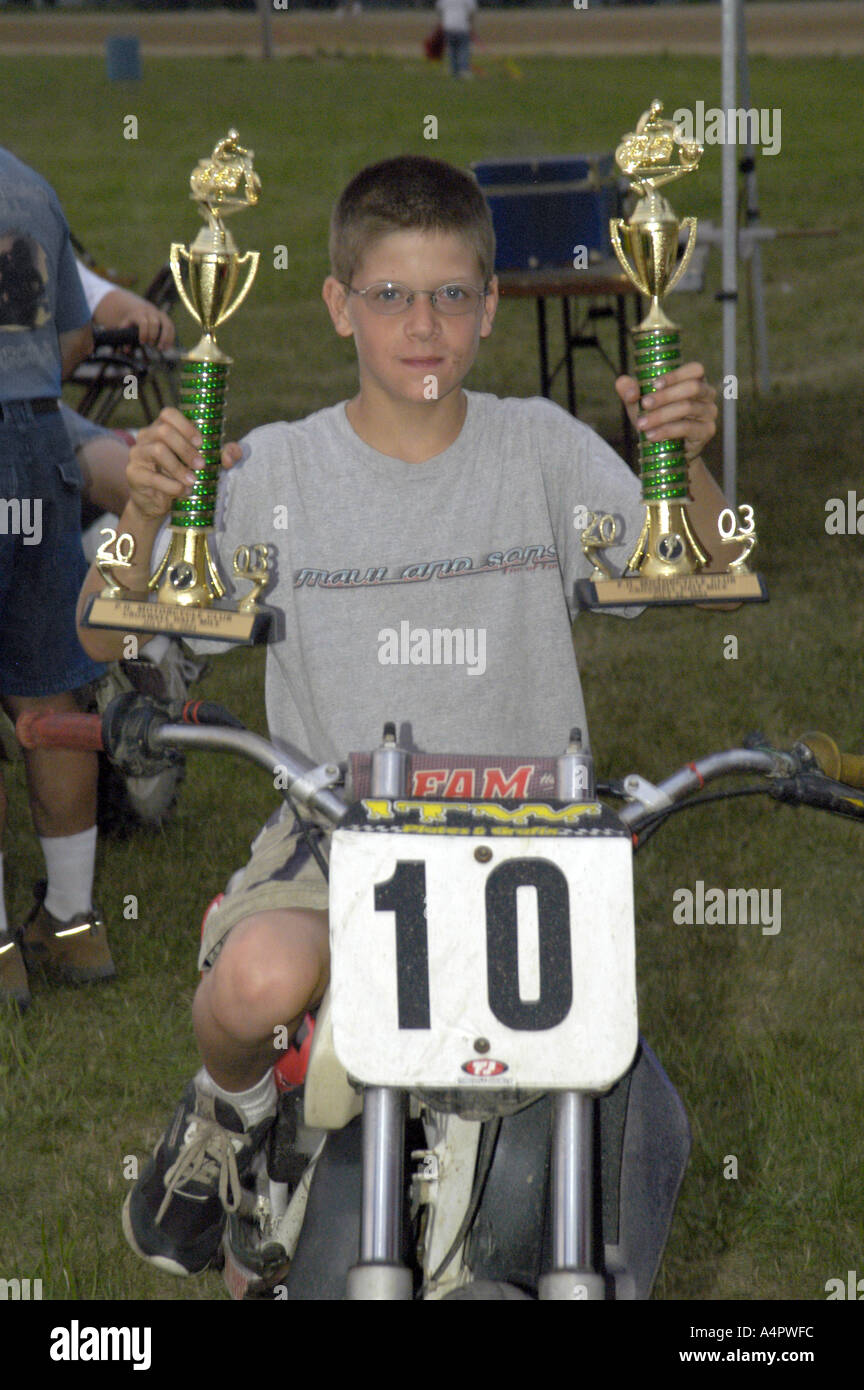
(683,407)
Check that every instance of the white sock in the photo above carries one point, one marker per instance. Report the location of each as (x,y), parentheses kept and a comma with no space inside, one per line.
(4,920)
(254,1105)
(69,860)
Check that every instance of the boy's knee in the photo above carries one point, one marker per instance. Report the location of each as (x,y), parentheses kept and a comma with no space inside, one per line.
(272,967)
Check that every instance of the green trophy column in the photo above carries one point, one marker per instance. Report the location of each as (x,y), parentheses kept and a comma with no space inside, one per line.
(663,464)
(203,390)
(188,574)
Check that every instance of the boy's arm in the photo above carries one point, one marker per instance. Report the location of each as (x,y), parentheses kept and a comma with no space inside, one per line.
(161,467)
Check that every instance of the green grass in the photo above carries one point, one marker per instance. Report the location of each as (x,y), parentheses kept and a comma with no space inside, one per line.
(761,1034)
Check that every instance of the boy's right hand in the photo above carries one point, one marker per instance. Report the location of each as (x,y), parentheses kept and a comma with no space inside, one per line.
(163,460)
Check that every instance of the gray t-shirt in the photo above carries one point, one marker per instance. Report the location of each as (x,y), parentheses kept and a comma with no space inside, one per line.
(434,594)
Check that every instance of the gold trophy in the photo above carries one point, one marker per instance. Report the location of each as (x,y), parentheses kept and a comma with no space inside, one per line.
(189,591)
(670,564)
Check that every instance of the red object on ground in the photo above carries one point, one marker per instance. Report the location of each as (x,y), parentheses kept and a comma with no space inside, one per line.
(433,45)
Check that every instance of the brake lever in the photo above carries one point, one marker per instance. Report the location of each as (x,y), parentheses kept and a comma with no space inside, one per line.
(638,788)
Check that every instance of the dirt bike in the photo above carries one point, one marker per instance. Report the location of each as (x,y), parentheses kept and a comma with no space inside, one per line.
(472,1114)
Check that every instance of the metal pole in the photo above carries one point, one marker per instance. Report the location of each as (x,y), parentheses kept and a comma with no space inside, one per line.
(265,10)
(729,292)
(572,1188)
(754,249)
(381,1220)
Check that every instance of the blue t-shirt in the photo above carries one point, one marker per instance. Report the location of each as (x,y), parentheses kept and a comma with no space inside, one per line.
(40,291)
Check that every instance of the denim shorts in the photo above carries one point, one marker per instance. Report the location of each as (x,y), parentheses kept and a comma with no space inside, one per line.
(42,565)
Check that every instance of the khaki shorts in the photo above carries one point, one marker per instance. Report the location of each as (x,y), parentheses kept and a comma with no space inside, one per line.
(281,873)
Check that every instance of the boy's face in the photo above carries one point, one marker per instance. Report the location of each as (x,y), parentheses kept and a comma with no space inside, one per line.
(398,354)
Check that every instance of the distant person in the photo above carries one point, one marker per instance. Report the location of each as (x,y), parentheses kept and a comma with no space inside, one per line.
(456,23)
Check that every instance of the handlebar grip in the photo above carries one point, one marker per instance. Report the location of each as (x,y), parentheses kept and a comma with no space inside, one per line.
(116,337)
(842,767)
(74,731)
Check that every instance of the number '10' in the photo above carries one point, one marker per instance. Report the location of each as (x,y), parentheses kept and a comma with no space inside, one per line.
(404,894)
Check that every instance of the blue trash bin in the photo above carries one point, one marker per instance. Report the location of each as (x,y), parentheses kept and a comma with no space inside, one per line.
(123,57)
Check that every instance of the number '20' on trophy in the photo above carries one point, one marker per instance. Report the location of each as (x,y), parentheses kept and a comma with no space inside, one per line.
(671,564)
(186,594)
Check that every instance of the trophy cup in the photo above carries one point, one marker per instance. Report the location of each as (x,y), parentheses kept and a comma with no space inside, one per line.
(670,564)
(189,591)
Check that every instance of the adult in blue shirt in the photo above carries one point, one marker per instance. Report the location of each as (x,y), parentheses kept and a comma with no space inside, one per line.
(44,332)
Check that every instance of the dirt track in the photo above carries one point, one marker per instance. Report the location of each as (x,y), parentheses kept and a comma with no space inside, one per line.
(819,28)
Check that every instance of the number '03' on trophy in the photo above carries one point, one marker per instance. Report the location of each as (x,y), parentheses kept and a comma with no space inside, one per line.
(670,564)
(186,594)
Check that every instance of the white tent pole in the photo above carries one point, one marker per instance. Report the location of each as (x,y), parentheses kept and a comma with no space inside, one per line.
(729,292)
(753,247)
(265,10)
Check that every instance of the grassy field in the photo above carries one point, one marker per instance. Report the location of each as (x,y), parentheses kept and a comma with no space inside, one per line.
(760,1033)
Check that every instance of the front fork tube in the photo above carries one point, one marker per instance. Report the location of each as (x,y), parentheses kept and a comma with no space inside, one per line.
(380,1275)
(572,1276)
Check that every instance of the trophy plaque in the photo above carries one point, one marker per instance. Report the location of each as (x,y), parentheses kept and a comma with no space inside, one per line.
(186,595)
(671,564)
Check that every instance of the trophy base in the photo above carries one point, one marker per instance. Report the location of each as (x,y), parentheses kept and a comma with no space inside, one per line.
(220,622)
(639,592)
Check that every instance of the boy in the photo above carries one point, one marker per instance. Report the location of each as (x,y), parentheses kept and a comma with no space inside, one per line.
(414,501)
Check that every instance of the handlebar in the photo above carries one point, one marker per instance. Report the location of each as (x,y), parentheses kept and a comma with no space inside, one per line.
(75,731)
(114,340)
(843,767)
(115,337)
(142,734)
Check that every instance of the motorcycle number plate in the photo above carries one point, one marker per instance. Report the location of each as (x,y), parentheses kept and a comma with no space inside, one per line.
(483,961)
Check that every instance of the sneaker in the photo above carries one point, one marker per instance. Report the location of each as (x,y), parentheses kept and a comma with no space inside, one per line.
(14,988)
(175,1214)
(71,953)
